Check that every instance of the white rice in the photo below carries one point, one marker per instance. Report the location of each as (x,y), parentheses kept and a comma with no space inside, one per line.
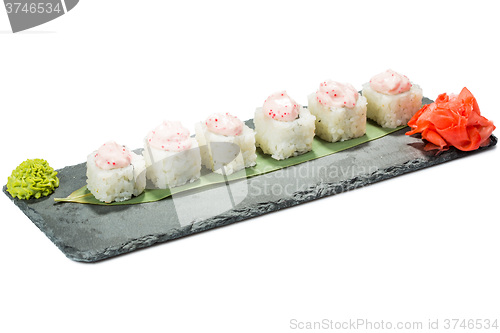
(338,123)
(116,184)
(170,169)
(283,139)
(392,111)
(233,153)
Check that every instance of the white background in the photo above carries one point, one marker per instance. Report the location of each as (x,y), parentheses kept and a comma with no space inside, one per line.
(418,247)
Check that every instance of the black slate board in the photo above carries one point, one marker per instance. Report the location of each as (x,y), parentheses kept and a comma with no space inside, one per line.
(91,233)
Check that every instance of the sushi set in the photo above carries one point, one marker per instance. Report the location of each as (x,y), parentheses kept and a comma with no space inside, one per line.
(122,200)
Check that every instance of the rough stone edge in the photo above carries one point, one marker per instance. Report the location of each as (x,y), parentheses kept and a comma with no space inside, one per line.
(318,191)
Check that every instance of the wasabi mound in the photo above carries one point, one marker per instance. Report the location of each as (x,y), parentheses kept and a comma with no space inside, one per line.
(32,178)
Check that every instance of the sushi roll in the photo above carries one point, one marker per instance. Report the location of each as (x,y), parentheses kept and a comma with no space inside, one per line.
(227,145)
(114,173)
(172,156)
(340,111)
(283,127)
(392,99)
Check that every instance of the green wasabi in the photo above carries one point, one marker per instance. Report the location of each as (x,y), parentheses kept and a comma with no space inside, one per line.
(32,178)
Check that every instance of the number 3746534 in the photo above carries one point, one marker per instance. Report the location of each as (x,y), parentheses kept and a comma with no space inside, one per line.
(471,324)
(33,7)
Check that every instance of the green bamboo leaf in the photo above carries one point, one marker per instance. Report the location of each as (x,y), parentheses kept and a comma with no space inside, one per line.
(265,164)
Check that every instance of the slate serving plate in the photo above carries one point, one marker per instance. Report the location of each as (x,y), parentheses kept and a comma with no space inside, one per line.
(90,233)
